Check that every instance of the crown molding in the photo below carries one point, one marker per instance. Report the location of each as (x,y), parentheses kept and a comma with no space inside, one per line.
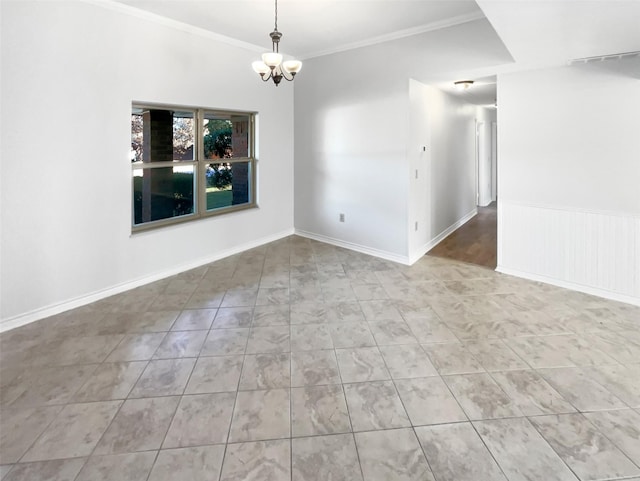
(409,32)
(175,24)
(191,29)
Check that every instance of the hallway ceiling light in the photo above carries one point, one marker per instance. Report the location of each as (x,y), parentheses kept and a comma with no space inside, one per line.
(463,84)
(271,66)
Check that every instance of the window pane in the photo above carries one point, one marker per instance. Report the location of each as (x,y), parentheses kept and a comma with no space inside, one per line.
(228,184)
(162,193)
(161,135)
(226,136)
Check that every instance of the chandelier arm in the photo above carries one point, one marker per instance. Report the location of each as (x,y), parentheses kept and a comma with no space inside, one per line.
(282,72)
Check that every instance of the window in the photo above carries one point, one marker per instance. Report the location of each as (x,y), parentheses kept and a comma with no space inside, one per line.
(189,163)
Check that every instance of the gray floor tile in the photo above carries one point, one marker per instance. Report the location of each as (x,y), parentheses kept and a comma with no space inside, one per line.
(407,361)
(215,374)
(456,453)
(494,355)
(111,381)
(351,334)
(137,347)
(118,467)
(75,432)
(194,320)
(521,452)
(141,425)
(166,377)
(375,405)
(262,341)
(622,381)
(45,386)
(368,292)
(75,349)
(181,344)
(392,454)
(587,452)
(430,330)
(321,458)
(57,470)
(309,337)
(258,461)
(261,415)
(204,299)
(233,317)
(272,295)
(580,390)
(271,315)
(344,312)
(361,364)
(202,463)
(308,313)
(269,339)
(19,430)
(429,401)
(266,371)
(311,368)
(319,410)
(390,333)
(154,321)
(224,342)
(622,427)
(481,397)
(380,310)
(531,393)
(201,419)
(452,358)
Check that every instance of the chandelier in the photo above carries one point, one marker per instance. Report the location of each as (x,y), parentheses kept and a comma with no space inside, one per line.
(271,66)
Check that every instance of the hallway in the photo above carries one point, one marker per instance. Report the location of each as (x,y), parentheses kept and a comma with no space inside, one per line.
(475,242)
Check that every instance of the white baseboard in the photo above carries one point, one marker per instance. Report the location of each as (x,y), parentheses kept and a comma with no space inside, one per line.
(390,256)
(594,291)
(418,253)
(51,310)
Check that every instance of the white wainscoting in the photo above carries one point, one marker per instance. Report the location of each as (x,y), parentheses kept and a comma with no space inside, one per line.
(589,251)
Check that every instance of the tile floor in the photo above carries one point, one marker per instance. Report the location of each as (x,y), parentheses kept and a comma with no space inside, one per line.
(302,361)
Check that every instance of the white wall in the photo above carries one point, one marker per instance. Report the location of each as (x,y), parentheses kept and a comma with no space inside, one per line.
(70,71)
(445,197)
(569,177)
(350,154)
(355,142)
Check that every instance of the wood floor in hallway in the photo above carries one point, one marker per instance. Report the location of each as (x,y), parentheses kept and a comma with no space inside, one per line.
(475,242)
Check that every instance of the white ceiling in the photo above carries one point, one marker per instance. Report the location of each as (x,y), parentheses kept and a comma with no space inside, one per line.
(552,32)
(314,27)
(536,33)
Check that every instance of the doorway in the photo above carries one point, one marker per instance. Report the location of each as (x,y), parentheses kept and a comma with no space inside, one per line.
(476,242)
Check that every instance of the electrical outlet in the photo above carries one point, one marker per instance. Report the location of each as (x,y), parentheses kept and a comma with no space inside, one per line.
(416,226)
(341,217)
(416,173)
